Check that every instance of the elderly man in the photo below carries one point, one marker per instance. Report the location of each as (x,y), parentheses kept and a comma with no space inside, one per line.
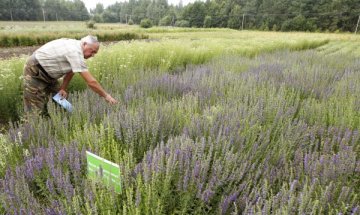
(56,59)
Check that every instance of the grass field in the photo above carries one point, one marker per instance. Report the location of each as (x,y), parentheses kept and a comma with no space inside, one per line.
(210,121)
(61,26)
(14,34)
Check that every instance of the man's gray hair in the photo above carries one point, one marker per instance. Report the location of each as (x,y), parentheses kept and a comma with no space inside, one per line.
(89,39)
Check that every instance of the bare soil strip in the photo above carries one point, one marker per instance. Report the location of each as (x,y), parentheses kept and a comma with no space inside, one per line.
(6,53)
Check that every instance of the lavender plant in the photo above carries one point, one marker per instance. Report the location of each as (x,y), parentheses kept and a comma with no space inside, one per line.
(273,134)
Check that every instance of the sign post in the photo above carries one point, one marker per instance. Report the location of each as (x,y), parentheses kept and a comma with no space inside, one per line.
(103,170)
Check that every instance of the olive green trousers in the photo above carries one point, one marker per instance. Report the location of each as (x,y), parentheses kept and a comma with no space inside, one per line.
(38,87)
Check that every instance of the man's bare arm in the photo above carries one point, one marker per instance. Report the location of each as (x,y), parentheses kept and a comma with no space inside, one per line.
(65,84)
(96,87)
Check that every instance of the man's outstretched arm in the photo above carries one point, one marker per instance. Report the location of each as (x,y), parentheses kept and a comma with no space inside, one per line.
(96,87)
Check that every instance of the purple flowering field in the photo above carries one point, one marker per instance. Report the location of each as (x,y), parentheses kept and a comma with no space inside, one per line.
(277,133)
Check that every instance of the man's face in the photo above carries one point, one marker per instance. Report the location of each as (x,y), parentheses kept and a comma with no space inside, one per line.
(90,50)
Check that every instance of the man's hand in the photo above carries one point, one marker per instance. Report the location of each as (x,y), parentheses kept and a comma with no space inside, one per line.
(63,94)
(96,87)
(110,99)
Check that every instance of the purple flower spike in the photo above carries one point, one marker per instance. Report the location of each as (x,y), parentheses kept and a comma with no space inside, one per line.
(207,195)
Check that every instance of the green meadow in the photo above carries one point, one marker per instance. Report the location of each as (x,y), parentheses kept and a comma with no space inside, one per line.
(210,121)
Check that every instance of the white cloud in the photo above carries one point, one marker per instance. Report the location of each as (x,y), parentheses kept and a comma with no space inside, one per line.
(90,4)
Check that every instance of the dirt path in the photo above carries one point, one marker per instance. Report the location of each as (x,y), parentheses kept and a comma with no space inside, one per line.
(6,53)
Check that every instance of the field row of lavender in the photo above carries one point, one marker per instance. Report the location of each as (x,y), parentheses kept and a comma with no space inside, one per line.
(166,53)
(273,134)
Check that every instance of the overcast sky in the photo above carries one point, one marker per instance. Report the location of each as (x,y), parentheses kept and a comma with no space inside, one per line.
(90,4)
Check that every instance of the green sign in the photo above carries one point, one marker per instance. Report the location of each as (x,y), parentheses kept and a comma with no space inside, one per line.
(104,170)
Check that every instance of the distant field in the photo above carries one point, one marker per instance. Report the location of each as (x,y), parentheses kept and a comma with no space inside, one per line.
(13,27)
(252,39)
(210,121)
(13,34)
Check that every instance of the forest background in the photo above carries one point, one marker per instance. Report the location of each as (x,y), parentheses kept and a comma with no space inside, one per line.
(275,15)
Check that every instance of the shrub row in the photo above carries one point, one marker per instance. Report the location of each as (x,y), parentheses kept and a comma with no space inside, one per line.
(13,40)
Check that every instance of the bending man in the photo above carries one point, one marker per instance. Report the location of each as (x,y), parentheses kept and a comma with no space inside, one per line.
(56,59)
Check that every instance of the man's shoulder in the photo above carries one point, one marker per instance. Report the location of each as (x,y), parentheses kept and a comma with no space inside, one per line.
(60,47)
(71,45)
(62,42)
(68,41)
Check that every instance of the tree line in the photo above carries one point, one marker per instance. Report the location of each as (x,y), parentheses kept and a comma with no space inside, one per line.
(277,15)
(36,10)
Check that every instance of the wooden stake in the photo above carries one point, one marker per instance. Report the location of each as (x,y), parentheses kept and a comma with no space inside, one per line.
(43,13)
(242,23)
(357,25)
